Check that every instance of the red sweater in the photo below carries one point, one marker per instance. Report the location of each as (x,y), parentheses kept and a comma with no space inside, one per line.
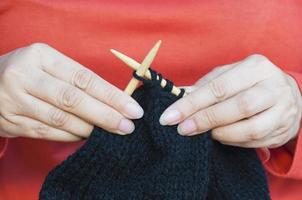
(197,36)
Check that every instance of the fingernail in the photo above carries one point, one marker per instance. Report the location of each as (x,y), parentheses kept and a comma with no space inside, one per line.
(134,110)
(170,117)
(187,127)
(126,126)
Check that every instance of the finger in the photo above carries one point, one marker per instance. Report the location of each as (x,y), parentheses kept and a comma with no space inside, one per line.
(188,89)
(39,110)
(70,71)
(27,127)
(7,128)
(208,77)
(254,128)
(224,86)
(243,105)
(75,101)
(215,73)
(270,142)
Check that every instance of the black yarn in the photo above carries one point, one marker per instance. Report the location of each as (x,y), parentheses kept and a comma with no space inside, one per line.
(156,163)
(154,81)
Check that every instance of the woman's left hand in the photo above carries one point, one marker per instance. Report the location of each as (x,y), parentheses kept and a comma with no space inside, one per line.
(251,103)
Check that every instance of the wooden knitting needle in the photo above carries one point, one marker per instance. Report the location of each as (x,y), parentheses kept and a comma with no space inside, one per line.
(143,68)
(135,65)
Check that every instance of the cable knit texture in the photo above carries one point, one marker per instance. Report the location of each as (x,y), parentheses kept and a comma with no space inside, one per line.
(156,163)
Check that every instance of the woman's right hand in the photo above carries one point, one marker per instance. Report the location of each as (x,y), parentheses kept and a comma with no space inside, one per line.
(44,94)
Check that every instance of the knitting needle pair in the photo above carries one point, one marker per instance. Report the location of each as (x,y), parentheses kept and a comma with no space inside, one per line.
(142,69)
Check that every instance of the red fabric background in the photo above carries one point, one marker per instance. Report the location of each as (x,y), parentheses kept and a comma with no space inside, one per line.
(197,36)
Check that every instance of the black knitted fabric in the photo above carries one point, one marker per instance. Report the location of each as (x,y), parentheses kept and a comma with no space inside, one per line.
(156,163)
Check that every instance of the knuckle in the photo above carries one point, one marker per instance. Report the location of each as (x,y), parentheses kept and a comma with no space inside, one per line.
(278,131)
(191,105)
(35,109)
(4,126)
(6,115)
(282,139)
(69,97)
(219,89)
(57,117)
(257,61)
(249,144)
(218,134)
(10,73)
(36,51)
(110,120)
(38,46)
(2,122)
(254,131)
(287,89)
(83,79)
(112,96)
(257,57)
(294,111)
(40,82)
(291,100)
(41,131)
(256,135)
(245,105)
(263,129)
(258,131)
(217,69)
(273,145)
(278,141)
(264,65)
(207,117)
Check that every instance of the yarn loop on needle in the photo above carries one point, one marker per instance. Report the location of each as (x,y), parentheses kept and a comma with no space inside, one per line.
(156,78)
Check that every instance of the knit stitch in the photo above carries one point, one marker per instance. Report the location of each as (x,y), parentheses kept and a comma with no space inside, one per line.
(155,162)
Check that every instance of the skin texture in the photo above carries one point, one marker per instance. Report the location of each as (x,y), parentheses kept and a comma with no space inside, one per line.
(44,94)
(251,103)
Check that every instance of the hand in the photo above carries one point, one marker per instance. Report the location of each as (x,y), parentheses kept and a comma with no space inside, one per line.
(44,94)
(251,103)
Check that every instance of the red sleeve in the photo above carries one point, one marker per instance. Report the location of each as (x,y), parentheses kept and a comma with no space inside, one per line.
(281,161)
(3,145)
